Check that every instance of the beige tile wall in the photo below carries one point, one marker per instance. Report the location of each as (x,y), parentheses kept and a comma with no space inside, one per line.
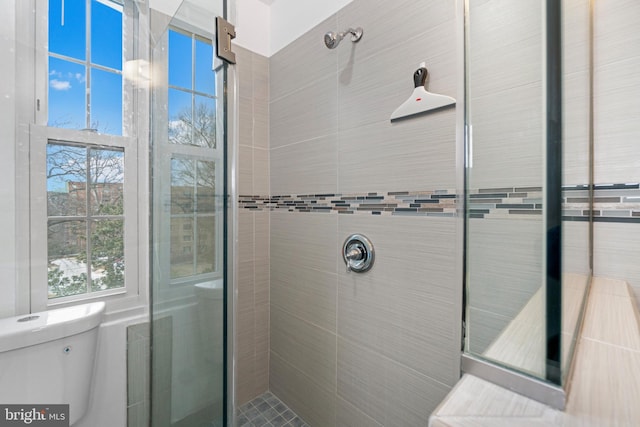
(317,118)
(617,131)
(379,348)
(505,70)
(252,370)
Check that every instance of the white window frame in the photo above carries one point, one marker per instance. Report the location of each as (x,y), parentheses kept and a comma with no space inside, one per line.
(135,116)
(42,63)
(40,136)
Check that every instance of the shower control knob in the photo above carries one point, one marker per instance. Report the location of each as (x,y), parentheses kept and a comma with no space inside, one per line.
(358,254)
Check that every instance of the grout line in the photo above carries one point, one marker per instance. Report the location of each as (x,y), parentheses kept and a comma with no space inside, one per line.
(609,344)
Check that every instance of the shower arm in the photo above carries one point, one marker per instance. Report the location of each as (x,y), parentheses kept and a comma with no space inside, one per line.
(332,40)
(355,34)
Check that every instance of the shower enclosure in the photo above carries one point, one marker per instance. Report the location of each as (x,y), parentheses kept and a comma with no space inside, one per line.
(189,217)
(527,173)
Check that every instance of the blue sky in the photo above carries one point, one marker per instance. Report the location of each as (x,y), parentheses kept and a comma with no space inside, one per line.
(182,75)
(67,79)
(68,76)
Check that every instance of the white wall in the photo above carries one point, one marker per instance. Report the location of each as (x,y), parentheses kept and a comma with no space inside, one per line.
(108,402)
(266,26)
(292,18)
(7,160)
(253,21)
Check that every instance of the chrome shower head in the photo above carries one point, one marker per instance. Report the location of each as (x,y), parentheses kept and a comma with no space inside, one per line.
(332,40)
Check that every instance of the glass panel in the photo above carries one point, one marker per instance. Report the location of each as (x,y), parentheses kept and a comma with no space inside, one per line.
(67,262)
(106,34)
(205,77)
(67,28)
(204,122)
(180,117)
(180,60)
(205,250)
(515,286)
(189,346)
(106,102)
(182,186)
(182,250)
(107,182)
(66,180)
(67,94)
(576,270)
(107,254)
(206,190)
(505,184)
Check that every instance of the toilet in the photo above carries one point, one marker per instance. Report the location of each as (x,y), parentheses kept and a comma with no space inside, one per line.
(210,308)
(47,358)
(211,317)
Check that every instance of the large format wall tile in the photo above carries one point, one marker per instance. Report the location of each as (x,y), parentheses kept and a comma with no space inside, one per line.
(330,134)
(305,114)
(370,88)
(307,167)
(507,138)
(308,240)
(348,415)
(403,307)
(303,62)
(308,348)
(244,59)
(391,26)
(383,389)
(616,253)
(617,131)
(412,253)
(313,403)
(575,128)
(505,46)
(575,247)
(306,293)
(616,91)
(616,128)
(408,155)
(252,309)
(504,262)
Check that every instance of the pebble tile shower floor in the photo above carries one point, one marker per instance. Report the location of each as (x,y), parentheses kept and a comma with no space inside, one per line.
(267,410)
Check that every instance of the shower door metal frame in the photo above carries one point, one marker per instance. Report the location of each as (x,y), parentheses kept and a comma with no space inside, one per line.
(549,392)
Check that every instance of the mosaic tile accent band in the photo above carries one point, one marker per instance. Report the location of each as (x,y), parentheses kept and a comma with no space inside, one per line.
(506,202)
(417,203)
(612,203)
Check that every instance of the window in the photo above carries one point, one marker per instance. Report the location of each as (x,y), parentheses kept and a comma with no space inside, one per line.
(85,82)
(84,214)
(85,219)
(191,97)
(83,162)
(192,209)
(190,160)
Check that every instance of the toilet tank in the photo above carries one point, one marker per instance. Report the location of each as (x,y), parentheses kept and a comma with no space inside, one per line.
(48,357)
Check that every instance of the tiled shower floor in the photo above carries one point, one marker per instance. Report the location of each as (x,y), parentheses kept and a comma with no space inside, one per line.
(267,410)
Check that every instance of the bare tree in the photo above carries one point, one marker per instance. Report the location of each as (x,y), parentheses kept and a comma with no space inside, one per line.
(197,127)
(85,180)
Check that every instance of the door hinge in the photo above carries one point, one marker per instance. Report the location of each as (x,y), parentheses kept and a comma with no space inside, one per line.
(225,32)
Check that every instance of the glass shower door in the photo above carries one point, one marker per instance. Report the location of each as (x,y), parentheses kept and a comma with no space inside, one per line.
(188,218)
